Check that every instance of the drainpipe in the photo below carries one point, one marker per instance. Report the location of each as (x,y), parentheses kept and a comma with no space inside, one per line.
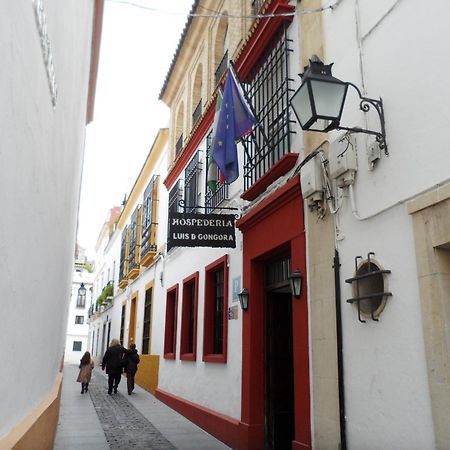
(340,356)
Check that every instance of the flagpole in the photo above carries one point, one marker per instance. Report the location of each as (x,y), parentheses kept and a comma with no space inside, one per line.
(265,138)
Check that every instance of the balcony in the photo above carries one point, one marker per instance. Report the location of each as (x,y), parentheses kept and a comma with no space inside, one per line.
(197,113)
(148,248)
(221,68)
(179,145)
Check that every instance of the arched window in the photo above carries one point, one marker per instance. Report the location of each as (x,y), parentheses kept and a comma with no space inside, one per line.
(197,95)
(221,50)
(179,127)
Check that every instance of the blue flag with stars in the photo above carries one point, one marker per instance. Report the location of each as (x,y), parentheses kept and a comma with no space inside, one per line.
(235,121)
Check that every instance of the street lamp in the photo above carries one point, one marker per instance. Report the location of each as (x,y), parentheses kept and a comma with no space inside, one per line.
(243,299)
(319,101)
(82,291)
(295,280)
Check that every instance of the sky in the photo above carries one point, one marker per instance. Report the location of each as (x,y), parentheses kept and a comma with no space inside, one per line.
(137,48)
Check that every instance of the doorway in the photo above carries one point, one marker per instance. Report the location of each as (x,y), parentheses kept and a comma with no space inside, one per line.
(279,366)
(132,324)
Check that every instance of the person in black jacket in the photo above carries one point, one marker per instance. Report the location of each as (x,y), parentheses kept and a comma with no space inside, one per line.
(131,363)
(113,363)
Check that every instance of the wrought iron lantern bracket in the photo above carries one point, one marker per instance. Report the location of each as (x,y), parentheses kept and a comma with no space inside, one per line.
(364,105)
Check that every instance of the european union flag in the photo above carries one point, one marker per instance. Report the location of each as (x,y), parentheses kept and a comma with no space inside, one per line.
(235,121)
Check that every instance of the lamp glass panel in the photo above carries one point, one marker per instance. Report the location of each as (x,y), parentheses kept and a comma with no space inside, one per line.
(328,97)
(302,105)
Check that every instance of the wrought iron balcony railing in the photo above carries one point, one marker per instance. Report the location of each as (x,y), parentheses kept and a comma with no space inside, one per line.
(179,145)
(197,113)
(221,68)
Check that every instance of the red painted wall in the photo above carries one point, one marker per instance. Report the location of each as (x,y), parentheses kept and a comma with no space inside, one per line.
(274,226)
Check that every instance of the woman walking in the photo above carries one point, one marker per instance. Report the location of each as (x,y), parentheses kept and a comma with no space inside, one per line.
(113,363)
(131,363)
(86,366)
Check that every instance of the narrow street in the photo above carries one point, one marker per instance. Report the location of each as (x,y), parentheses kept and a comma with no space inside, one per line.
(99,421)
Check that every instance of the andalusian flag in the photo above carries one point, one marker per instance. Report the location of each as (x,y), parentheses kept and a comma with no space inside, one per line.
(236,120)
(213,170)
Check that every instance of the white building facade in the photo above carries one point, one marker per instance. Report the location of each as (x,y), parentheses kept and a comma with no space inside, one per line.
(77,322)
(47,86)
(358,358)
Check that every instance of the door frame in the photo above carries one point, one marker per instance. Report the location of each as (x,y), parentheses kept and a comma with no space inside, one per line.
(282,211)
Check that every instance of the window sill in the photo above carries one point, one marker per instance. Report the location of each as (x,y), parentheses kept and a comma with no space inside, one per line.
(188,357)
(215,358)
(169,355)
(283,166)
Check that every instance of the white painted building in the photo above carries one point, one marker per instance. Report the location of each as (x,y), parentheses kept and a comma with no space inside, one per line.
(47,85)
(77,320)
(375,235)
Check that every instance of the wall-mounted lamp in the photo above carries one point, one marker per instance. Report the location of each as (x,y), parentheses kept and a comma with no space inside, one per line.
(243,299)
(81,291)
(296,279)
(319,101)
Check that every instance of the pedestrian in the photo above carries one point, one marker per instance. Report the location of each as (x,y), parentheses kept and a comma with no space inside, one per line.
(112,361)
(131,363)
(86,366)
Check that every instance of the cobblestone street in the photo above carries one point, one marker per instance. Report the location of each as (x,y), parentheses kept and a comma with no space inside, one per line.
(97,421)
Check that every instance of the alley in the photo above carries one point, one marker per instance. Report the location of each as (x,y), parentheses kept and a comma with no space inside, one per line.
(97,421)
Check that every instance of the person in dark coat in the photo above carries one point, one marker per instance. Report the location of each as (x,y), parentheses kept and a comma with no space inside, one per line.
(131,363)
(113,363)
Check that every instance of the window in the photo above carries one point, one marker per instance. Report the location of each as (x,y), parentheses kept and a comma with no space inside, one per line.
(79,320)
(267,87)
(216,304)
(213,197)
(134,252)
(189,318)
(197,95)
(179,126)
(81,296)
(147,322)
(170,337)
(149,209)
(122,323)
(124,248)
(76,346)
(175,197)
(221,50)
(191,178)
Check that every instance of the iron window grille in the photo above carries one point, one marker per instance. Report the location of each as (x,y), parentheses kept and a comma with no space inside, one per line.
(268,88)
(76,346)
(218,312)
(197,113)
(191,178)
(213,199)
(147,322)
(149,223)
(175,197)
(123,270)
(134,251)
(179,145)
(222,67)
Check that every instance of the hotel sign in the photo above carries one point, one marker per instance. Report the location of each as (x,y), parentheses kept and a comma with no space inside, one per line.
(201,230)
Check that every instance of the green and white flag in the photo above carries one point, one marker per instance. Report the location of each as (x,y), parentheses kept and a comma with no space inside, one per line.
(213,170)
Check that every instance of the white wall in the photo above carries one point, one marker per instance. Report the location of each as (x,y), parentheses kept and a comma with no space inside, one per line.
(78,332)
(399,57)
(41,152)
